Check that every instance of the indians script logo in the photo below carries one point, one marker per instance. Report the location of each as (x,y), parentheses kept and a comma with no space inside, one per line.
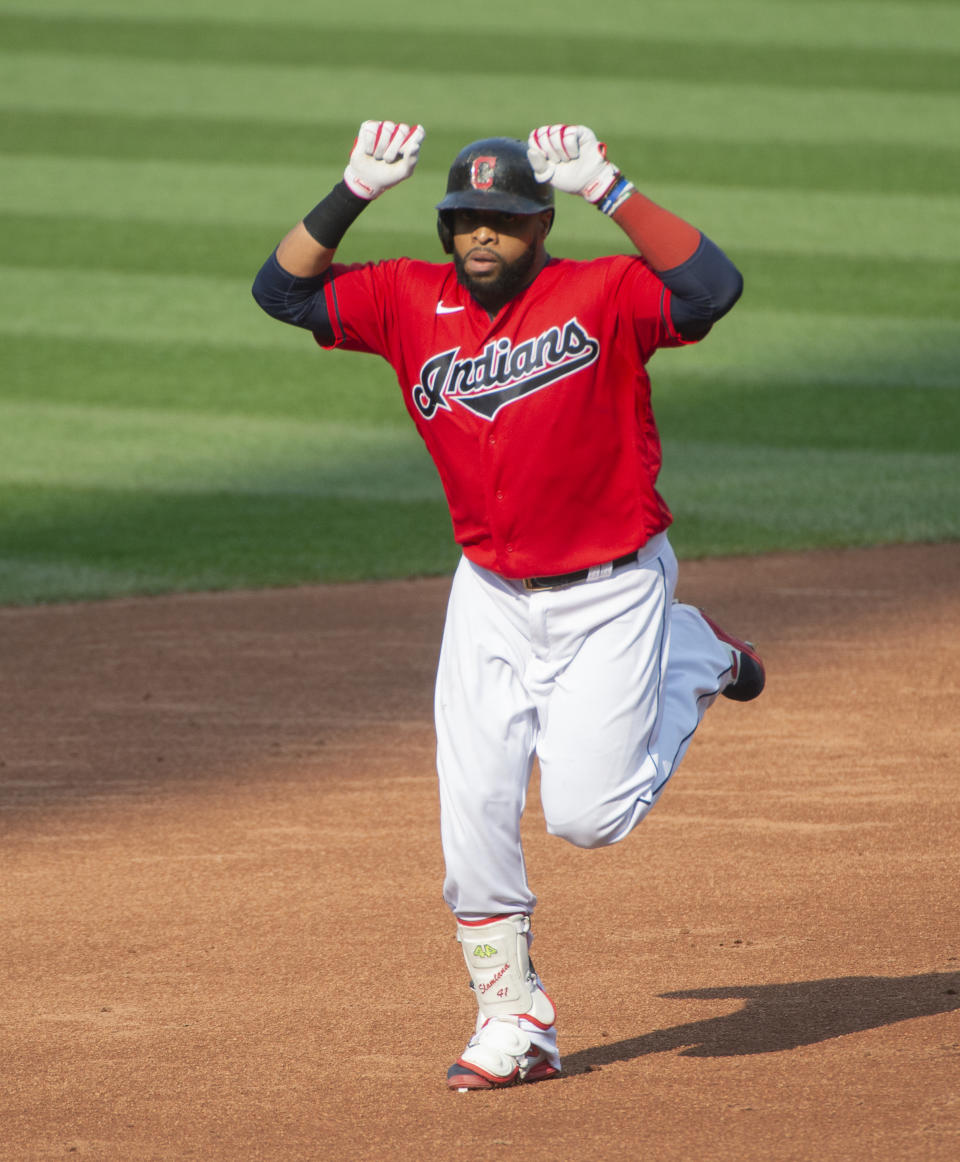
(502,374)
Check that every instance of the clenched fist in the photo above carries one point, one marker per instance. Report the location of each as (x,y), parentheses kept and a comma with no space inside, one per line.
(384,154)
(571,159)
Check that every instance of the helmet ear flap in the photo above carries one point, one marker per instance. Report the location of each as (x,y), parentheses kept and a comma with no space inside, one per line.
(445,233)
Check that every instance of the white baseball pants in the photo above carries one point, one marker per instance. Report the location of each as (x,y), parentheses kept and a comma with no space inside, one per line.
(604,681)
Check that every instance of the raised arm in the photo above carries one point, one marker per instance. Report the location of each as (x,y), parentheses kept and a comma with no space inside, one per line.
(288,285)
(704,283)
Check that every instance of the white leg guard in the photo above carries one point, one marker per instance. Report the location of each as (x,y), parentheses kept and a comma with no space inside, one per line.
(498,961)
(516,1036)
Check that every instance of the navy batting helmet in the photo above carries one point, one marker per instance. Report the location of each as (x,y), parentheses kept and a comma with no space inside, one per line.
(492,174)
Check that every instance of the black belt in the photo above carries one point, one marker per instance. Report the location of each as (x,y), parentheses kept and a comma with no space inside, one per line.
(534,584)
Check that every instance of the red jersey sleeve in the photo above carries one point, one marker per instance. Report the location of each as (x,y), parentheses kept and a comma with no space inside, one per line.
(642,304)
(361,301)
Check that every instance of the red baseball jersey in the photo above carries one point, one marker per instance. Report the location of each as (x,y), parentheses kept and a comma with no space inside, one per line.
(539,420)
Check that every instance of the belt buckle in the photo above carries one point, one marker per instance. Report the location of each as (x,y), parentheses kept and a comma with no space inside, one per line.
(532,585)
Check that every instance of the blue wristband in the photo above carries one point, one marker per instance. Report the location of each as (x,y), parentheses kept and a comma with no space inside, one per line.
(616,195)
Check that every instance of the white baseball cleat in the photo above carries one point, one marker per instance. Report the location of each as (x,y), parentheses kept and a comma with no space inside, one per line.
(507,1051)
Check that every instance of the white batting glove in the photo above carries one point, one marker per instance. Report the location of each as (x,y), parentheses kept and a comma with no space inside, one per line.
(384,154)
(571,159)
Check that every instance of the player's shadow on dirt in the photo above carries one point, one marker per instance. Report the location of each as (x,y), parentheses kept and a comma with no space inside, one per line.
(784,1016)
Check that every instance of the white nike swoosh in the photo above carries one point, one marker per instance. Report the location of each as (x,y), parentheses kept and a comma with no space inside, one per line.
(442,310)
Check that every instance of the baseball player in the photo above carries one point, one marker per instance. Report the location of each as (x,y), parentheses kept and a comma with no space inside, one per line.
(526,378)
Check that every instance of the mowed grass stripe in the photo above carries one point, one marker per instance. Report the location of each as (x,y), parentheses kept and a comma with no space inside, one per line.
(338,388)
(760,345)
(806,414)
(754,342)
(61,446)
(103,304)
(854,23)
(142,540)
(157,450)
(897,225)
(818,283)
(293,381)
(871,167)
(847,498)
(59,544)
(581,55)
(481,102)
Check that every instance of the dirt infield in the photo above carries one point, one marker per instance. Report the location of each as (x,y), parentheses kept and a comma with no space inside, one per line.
(222,929)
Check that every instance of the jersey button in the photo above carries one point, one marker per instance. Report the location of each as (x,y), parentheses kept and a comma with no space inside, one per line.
(491,440)
(509,548)
(499,495)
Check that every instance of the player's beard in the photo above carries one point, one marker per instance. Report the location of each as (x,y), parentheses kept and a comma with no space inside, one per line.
(493,293)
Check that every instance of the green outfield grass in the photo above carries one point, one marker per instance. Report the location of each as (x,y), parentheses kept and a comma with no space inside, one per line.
(158,432)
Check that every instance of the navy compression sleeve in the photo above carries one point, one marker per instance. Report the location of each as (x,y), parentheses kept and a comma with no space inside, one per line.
(299,301)
(702,289)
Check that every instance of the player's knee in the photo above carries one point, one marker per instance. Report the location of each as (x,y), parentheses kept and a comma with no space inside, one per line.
(591,828)
(596,822)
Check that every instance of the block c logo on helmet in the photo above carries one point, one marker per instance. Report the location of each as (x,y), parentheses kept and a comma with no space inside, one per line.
(482,172)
